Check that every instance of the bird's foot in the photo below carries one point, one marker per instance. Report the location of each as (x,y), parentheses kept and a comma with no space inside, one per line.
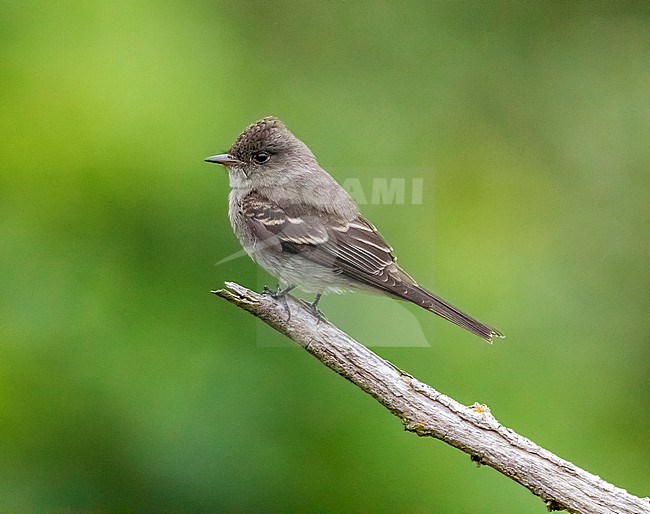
(313,308)
(268,291)
(277,293)
(280,294)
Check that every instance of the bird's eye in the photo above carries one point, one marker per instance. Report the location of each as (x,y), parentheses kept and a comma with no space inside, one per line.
(261,157)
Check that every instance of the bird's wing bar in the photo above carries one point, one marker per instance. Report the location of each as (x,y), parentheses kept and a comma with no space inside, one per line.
(268,220)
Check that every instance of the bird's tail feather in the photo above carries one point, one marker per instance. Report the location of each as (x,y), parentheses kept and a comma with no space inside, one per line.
(431,302)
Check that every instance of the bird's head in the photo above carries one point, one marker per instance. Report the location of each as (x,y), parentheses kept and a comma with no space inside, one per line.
(266,154)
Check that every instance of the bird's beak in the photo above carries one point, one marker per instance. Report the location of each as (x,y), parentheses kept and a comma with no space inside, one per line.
(224,159)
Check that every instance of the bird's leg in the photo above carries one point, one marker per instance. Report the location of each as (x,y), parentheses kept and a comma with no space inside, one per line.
(279,294)
(313,307)
(314,304)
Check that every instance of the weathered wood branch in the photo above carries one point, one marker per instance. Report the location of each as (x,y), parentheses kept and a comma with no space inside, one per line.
(425,411)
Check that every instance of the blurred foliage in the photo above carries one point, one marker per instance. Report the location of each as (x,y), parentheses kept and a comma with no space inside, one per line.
(125,386)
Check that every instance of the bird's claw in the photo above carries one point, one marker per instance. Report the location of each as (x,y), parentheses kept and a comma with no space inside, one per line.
(279,294)
(266,290)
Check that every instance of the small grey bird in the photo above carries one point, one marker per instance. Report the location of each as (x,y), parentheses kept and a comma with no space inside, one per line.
(299,224)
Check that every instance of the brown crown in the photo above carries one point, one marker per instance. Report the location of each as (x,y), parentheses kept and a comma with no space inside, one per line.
(266,134)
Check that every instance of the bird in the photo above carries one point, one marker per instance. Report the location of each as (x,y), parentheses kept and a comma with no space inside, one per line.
(294,220)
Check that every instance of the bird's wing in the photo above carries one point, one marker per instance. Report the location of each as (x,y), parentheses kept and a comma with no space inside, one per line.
(351,247)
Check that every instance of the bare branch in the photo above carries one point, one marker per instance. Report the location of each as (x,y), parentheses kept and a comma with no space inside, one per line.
(425,411)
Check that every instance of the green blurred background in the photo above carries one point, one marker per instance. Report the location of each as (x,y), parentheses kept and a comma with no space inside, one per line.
(126,387)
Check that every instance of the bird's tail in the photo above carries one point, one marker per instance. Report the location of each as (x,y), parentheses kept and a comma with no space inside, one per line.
(429,301)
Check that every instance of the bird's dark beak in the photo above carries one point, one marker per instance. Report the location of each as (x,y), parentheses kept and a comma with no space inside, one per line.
(224,159)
